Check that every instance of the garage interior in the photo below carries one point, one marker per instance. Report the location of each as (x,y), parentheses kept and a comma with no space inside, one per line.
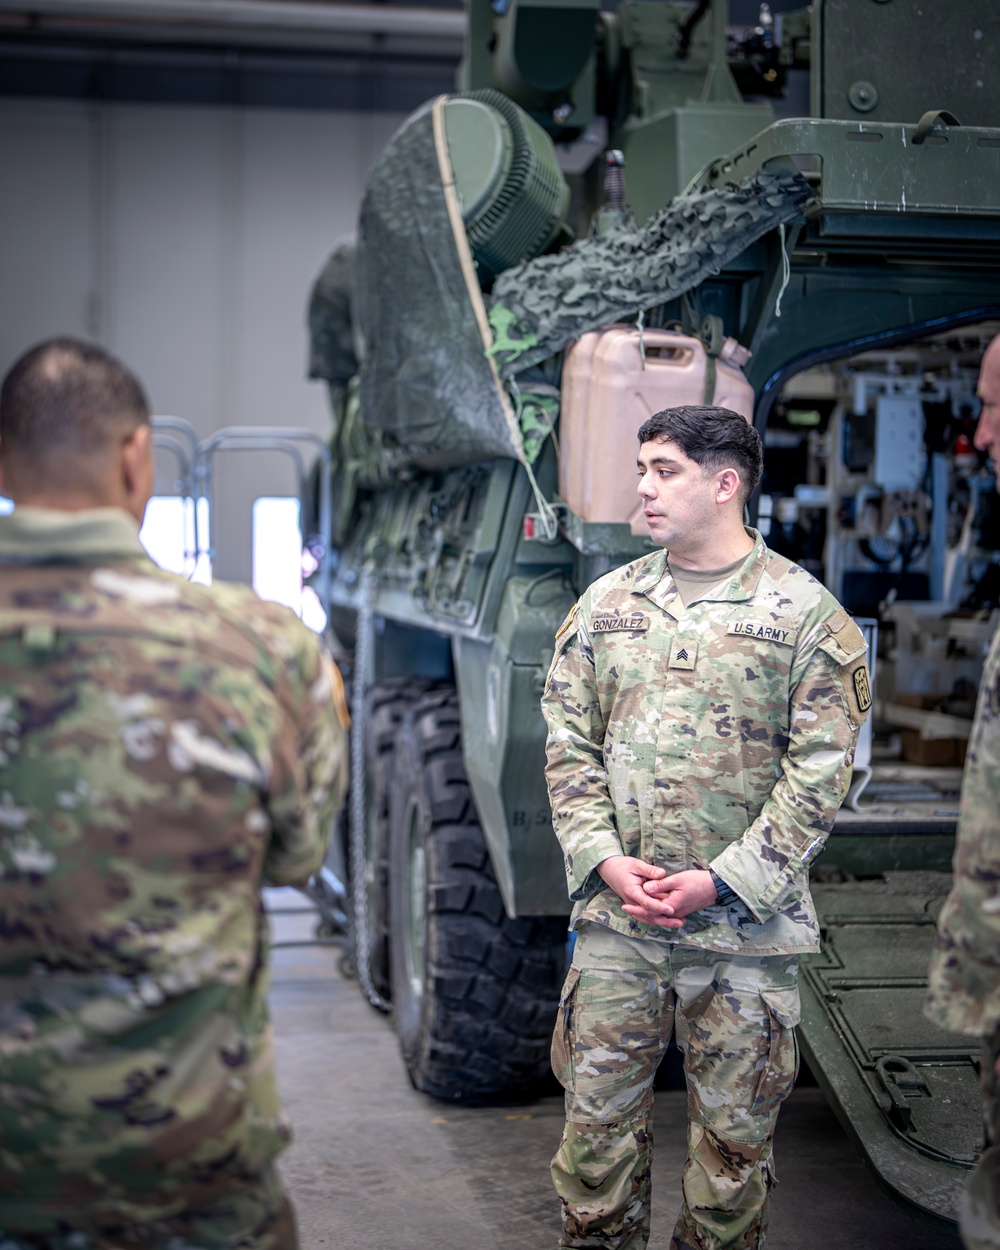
(179,174)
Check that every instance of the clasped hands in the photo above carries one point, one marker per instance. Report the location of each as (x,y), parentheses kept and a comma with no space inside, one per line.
(652,896)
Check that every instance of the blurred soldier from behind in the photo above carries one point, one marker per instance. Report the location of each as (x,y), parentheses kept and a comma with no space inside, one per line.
(165,748)
(965,967)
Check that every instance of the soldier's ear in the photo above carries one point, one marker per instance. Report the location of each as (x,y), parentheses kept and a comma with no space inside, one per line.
(7,479)
(728,485)
(137,469)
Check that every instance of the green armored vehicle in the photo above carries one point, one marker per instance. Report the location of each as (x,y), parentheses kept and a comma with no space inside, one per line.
(597,224)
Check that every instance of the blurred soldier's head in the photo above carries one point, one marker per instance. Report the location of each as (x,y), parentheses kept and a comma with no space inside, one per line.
(987,437)
(74,430)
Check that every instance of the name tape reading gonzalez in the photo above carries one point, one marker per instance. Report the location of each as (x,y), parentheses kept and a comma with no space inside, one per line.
(605,622)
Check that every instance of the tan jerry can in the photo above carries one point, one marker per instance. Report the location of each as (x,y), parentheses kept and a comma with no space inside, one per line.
(607,393)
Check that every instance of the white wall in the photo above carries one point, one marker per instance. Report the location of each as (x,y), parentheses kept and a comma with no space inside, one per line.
(185,240)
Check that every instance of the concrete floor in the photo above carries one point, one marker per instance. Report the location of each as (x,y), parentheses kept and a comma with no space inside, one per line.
(377,1166)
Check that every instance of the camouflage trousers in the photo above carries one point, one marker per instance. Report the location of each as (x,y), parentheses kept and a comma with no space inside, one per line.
(734,1019)
(979,1208)
(256,1216)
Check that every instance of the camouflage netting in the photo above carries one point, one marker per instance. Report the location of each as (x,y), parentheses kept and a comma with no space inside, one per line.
(426,386)
(541,305)
(425,378)
(331,339)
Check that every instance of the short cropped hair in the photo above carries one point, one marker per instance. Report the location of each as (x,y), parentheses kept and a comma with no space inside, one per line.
(67,398)
(714,438)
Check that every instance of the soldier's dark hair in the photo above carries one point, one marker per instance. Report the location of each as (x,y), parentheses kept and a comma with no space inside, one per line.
(714,438)
(65,398)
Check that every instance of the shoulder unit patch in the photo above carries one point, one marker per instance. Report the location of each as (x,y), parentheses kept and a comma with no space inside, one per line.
(862,687)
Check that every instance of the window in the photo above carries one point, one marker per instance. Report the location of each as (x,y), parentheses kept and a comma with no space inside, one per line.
(168,534)
(279,562)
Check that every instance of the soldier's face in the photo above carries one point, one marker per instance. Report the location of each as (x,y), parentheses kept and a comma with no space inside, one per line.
(987,437)
(677,494)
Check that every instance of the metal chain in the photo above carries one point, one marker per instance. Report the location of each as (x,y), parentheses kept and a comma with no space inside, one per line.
(358,814)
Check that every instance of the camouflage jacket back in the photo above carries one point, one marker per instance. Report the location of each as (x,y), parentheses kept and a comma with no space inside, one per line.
(164,748)
(721,734)
(965,967)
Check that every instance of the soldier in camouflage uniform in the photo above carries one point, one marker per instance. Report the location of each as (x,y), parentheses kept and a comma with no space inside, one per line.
(703,708)
(164,749)
(965,968)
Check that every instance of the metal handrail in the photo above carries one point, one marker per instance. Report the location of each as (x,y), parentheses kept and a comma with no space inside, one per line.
(274,438)
(179,436)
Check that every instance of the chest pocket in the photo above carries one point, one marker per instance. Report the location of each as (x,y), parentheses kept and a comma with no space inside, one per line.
(761,650)
(620,640)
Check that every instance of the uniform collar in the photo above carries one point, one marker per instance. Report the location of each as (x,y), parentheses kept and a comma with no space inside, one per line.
(655,582)
(44,535)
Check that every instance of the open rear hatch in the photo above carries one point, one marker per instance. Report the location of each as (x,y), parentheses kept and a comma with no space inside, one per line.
(905,1091)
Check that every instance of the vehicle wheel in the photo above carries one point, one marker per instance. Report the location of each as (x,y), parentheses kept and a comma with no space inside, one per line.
(385,706)
(474,992)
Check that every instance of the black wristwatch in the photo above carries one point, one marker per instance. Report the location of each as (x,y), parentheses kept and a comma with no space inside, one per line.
(725,892)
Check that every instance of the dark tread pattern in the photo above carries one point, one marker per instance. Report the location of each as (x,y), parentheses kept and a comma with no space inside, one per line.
(386,703)
(492,983)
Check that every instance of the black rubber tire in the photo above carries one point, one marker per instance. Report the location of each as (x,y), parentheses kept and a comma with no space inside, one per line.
(386,703)
(474,992)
